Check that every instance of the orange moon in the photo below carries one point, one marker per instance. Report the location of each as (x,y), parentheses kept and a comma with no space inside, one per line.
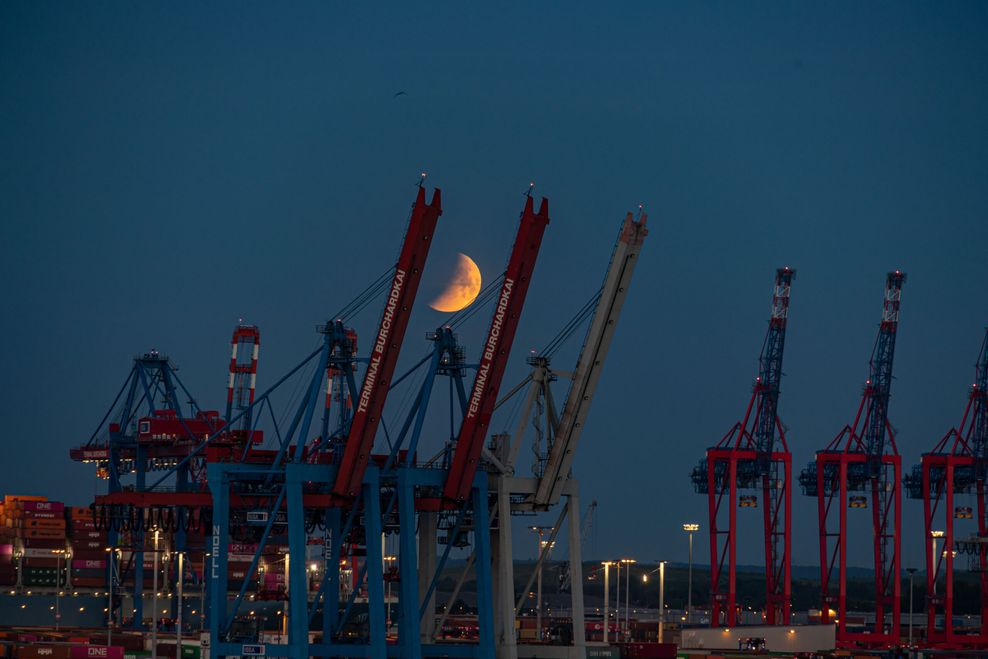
(462,289)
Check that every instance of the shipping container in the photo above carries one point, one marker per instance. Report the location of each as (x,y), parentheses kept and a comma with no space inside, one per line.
(37,651)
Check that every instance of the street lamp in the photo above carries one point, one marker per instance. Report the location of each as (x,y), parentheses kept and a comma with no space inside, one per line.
(389,561)
(662,598)
(617,598)
(111,553)
(607,592)
(539,533)
(154,601)
(662,592)
(690,528)
(59,553)
(627,596)
(911,571)
(933,538)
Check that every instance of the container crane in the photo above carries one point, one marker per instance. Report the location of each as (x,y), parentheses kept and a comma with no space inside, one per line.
(591,361)
(863,458)
(956,467)
(752,456)
(553,457)
(497,347)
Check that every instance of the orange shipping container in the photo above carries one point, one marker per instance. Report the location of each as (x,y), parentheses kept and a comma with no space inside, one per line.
(10,499)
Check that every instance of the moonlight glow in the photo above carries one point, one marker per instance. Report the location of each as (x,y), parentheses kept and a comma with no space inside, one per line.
(462,289)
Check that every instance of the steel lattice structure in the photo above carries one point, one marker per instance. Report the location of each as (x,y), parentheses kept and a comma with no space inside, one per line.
(753,455)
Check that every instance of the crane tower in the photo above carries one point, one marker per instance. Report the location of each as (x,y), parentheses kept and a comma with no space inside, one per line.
(753,455)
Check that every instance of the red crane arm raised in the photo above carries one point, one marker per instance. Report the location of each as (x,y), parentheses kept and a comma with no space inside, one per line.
(497,347)
(387,344)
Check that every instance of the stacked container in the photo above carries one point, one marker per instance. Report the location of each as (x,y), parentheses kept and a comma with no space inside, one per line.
(40,531)
(272,583)
(89,557)
(238,562)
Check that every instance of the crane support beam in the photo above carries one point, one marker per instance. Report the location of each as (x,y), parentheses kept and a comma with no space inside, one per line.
(497,347)
(591,360)
(387,344)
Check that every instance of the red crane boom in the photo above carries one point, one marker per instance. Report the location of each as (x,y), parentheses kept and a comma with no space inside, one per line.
(497,347)
(387,344)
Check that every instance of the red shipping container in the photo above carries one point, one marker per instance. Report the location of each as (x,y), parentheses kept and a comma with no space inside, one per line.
(47,534)
(85,564)
(92,545)
(96,651)
(88,582)
(41,514)
(6,550)
(46,506)
(89,555)
(45,524)
(45,562)
(44,543)
(44,651)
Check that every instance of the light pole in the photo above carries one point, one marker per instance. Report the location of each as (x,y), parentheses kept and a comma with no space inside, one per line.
(933,538)
(111,553)
(178,620)
(154,601)
(911,571)
(58,584)
(662,597)
(539,534)
(690,528)
(389,562)
(617,600)
(607,593)
(202,594)
(627,597)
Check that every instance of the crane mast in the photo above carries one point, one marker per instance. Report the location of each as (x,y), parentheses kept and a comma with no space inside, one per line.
(387,344)
(497,347)
(979,403)
(753,455)
(863,458)
(880,380)
(246,346)
(591,360)
(770,367)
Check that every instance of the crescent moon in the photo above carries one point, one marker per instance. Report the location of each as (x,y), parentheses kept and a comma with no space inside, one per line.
(462,289)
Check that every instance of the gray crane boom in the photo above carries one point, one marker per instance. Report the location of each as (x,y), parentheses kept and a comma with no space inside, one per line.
(591,361)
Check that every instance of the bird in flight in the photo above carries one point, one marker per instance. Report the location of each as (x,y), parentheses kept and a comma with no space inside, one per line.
(400,94)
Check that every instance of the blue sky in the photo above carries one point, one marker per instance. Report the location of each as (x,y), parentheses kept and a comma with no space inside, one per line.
(166,169)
